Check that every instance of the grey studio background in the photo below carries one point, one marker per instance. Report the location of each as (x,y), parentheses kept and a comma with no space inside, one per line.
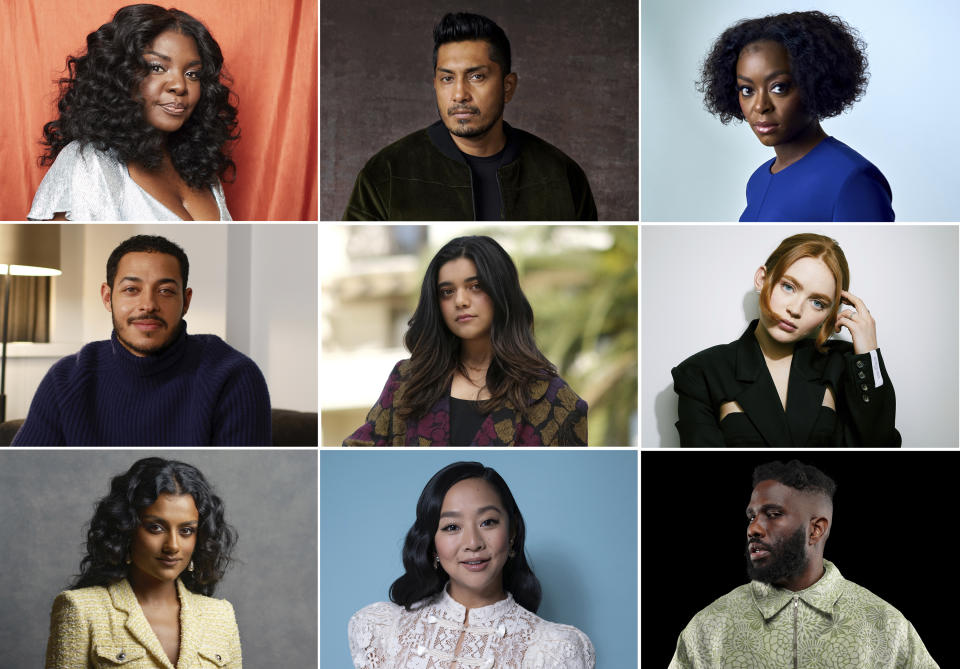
(48,497)
(695,169)
(697,292)
(577,68)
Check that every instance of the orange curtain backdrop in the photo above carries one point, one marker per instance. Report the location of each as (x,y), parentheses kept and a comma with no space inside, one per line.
(269,49)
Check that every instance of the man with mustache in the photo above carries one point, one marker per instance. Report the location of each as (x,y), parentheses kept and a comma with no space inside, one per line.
(151,383)
(797,611)
(471,165)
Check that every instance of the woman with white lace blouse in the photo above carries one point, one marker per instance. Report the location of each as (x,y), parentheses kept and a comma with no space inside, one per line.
(468,598)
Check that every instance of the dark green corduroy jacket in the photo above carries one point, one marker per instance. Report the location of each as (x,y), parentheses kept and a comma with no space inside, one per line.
(423,177)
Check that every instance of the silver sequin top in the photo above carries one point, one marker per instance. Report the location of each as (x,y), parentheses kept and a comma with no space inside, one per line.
(92,185)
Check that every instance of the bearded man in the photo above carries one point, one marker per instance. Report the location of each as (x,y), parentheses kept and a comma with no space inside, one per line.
(797,611)
(471,165)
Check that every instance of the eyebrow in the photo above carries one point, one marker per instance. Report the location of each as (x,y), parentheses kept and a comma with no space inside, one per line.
(450,283)
(480,511)
(800,286)
(136,279)
(169,59)
(163,521)
(468,70)
(766,507)
(770,76)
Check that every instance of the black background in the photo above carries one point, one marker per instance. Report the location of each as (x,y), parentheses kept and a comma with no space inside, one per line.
(894,533)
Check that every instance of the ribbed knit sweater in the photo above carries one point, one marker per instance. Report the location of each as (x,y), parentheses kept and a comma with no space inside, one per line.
(197,392)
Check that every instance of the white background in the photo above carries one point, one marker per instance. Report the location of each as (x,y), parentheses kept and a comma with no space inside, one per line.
(697,291)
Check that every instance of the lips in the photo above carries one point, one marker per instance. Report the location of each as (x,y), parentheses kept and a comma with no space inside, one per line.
(787,326)
(174,108)
(168,562)
(476,565)
(147,324)
(765,128)
(465,318)
(758,551)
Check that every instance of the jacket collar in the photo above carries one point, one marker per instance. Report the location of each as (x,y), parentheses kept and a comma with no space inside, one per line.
(441,139)
(759,398)
(822,595)
(121,593)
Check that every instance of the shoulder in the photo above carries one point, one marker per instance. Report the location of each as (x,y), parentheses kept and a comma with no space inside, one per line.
(558,392)
(866,605)
(405,150)
(369,626)
(213,609)
(83,181)
(214,351)
(715,358)
(79,365)
(72,606)
(723,611)
(533,148)
(558,645)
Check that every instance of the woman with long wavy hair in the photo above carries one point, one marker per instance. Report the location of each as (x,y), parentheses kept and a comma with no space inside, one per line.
(467,595)
(144,125)
(475,376)
(157,546)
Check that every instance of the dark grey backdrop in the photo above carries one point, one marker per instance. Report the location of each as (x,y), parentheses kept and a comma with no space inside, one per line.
(577,68)
(47,497)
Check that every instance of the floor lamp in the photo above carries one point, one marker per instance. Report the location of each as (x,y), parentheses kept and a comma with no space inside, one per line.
(25,250)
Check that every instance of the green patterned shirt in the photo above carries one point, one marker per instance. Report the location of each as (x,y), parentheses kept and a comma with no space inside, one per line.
(833,624)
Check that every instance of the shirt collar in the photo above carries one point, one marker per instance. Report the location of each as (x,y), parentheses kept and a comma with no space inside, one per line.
(483,616)
(822,595)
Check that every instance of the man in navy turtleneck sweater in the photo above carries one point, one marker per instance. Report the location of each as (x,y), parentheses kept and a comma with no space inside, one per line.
(151,383)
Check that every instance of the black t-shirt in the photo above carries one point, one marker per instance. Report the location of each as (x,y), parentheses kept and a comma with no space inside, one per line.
(465,421)
(487,201)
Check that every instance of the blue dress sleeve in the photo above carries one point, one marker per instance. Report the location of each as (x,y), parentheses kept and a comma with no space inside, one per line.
(864,196)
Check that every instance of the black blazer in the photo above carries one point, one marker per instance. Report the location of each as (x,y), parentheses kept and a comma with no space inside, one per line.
(736,372)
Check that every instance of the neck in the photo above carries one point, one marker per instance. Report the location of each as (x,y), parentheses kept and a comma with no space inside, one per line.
(790,152)
(771,348)
(476,353)
(151,591)
(490,142)
(812,573)
(472,599)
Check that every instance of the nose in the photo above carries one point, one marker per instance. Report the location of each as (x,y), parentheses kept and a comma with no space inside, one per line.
(172,543)
(472,539)
(176,82)
(463,298)
(755,529)
(148,301)
(762,102)
(460,92)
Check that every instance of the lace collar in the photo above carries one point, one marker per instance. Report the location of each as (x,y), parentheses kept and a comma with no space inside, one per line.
(484,616)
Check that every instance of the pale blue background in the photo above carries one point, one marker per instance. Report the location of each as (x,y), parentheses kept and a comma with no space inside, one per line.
(695,169)
(580,510)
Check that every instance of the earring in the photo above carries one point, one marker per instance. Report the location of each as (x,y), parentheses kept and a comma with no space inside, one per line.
(127,560)
(436,562)
(190,566)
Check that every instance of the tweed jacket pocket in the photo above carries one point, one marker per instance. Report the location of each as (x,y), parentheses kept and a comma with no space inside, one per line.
(214,656)
(129,657)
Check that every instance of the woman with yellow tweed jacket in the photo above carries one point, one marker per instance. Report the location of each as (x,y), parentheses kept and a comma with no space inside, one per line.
(157,545)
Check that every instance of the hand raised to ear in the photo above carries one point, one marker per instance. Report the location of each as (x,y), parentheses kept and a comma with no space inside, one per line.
(859,322)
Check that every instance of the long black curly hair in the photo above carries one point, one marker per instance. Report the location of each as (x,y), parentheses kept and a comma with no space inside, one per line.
(117,517)
(420,580)
(827,56)
(100,105)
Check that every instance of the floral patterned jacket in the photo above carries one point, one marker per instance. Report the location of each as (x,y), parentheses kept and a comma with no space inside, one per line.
(555,416)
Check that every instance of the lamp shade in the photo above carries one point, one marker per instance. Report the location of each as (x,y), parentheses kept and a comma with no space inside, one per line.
(30,249)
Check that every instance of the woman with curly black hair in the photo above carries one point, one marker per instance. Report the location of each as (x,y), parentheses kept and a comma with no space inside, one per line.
(783,74)
(144,123)
(475,376)
(468,595)
(156,547)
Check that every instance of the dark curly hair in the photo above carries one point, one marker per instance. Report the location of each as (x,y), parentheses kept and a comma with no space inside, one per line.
(796,475)
(117,517)
(827,56)
(421,580)
(99,102)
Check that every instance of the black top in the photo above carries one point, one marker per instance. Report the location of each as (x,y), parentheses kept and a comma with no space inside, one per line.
(465,421)
(486,188)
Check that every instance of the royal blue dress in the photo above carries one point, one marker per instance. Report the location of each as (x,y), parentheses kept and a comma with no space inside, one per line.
(831,183)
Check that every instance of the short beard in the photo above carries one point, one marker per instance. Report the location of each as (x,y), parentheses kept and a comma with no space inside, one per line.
(467,131)
(787,559)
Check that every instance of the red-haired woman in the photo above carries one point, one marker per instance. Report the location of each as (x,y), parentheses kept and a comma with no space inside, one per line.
(783,383)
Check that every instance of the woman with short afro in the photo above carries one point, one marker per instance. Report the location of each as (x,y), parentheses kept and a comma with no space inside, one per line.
(144,124)
(783,74)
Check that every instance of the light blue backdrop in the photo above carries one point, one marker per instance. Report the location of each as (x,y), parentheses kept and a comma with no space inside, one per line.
(580,510)
(695,169)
